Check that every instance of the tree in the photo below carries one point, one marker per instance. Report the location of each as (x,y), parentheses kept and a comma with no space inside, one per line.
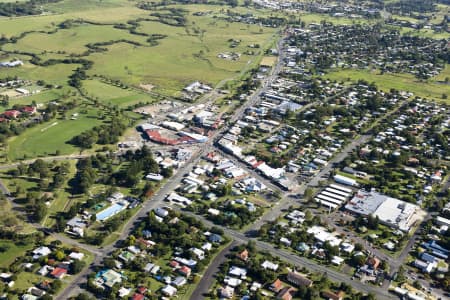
(277,194)
(56,285)
(401,274)
(40,211)
(308,215)
(39,166)
(358,247)
(233,3)
(167,172)
(77,266)
(58,180)
(358,260)
(59,255)
(309,193)
(83,296)
(109,263)
(372,222)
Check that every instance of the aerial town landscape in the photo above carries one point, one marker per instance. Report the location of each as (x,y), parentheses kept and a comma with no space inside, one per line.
(224,149)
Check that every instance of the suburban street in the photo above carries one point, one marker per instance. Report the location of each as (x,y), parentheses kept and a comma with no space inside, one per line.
(208,277)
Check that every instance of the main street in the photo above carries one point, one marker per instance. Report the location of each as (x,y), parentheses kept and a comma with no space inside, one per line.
(74,287)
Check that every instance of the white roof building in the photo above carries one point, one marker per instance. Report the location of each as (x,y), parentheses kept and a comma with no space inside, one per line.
(238,272)
(390,211)
(322,236)
(169,290)
(269,265)
(40,252)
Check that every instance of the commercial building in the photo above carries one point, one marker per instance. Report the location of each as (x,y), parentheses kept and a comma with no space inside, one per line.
(390,211)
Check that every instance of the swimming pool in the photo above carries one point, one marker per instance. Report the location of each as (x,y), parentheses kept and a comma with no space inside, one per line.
(110,211)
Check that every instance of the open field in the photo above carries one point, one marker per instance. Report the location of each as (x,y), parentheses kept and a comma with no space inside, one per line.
(405,82)
(424,33)
(180,58)
(109,94)
(55,74)
(9,252)
(187,53)
(268,61)
(316,18)
(73,40)
(47,138)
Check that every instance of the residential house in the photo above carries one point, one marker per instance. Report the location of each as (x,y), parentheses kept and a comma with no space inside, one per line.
(41,252)
(276,286)
(373,263)
(169,290)
(238,272)
(174,264)
(36,292)
(126,256)
(286,293)
(137,296)
(44,270)
(243,255)
(108,278)
(185,271)
(226,292)
(269,265)
(76,255)
(29,110)
(58,273)
(333,296)
(298,279)
(179,281)
(215,238)
(124,292)
(11,114)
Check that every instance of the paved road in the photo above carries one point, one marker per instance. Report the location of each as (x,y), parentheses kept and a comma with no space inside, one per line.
(300,261)
(208,277)
(287,201)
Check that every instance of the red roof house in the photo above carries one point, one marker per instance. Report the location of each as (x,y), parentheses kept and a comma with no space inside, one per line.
(11,114)
(29,110)
(185,271)
(243,255)
(276,286)
(58,273)
(138,296)
(174,264)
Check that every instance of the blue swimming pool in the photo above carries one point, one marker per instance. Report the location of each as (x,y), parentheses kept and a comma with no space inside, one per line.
(110,211)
